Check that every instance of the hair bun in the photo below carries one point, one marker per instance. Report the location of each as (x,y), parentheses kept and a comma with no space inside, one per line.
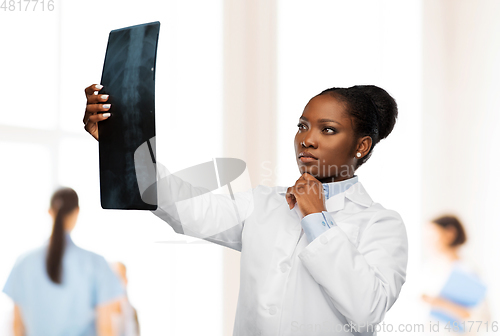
(385,106)
(372,110)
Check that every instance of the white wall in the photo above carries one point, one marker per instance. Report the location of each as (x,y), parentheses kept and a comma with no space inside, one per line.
(460,122)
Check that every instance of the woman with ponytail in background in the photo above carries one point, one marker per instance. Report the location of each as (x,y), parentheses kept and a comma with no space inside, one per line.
(60,288)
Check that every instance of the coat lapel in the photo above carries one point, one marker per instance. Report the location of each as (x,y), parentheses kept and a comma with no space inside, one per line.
(336,202)
(358,194)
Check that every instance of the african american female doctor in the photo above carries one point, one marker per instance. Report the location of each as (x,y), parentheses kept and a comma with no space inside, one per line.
(319,257)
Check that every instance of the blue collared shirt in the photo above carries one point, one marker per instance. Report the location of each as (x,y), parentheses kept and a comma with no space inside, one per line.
(62,309)
(316,223)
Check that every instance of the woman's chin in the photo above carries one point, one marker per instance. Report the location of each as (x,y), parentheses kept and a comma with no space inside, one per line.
(308,169)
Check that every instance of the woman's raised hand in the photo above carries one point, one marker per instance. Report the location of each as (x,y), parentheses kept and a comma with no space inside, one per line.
(95,104)
(308,194)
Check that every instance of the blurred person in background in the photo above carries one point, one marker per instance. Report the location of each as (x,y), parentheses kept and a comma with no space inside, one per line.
(453,289)
(126,321)
(60,289)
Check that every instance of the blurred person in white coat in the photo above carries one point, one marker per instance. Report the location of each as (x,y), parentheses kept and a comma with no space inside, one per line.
(319,257)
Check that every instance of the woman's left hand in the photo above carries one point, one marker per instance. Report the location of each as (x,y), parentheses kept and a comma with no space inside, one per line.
(429,299)
(308,194)
(452,307)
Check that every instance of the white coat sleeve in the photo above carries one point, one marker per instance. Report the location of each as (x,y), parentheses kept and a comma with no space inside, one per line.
(362,282)
(197,212)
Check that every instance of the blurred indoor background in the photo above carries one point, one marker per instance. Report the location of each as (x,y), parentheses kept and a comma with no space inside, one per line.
(236,75)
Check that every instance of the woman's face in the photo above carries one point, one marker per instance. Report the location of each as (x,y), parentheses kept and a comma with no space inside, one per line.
(438,237)
(326,132)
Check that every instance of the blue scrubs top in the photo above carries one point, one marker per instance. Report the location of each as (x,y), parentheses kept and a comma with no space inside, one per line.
(67,308)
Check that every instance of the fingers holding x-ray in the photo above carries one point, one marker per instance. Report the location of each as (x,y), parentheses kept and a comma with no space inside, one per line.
(188,196)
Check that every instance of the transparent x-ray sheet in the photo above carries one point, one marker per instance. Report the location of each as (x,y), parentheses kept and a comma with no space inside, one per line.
(202,201)
(128,76)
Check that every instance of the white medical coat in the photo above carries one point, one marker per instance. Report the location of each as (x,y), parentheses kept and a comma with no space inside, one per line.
(343,281)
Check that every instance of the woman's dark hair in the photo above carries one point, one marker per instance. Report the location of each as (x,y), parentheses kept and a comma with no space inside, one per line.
(450,221)
(372,109)
(63,202)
